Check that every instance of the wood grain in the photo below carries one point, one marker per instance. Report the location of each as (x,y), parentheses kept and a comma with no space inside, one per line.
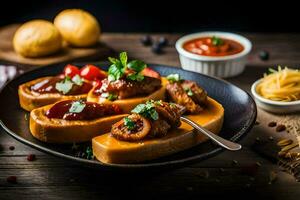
(49,177)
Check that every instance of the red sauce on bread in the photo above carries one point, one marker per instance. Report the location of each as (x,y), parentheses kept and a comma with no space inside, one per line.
(48,86)
(91,110)
(213,46)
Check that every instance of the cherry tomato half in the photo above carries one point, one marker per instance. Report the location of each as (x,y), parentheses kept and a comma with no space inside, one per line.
(91,72)
(150,72)
(71,70)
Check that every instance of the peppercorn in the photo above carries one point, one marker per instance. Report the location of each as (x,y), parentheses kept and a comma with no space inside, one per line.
(264,55)
(146,40)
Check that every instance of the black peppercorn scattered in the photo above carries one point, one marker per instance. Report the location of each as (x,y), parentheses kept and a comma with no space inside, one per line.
(163,41)
(156,48)
(280,128)
(272,124)
(264,55)
(11,148)
(146,40)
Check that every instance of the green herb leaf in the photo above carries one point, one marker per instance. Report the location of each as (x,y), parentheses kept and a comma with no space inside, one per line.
(216,41)
(137,65)
(109,96)
(111,78)
(188,91)
(139,108)
(77,107)
(89,153)
(123,58)
(129,123)
(104,95)
(115,71)
(113,60)
(118,68)
(153,114)
(64,86)
(77,80)
(135,77)
(173,78)
(112,97)
(147,110)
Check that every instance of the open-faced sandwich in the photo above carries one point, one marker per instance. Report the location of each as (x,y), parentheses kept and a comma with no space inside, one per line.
(186,93)
(123,111)
(154,130)
(71,84)
(128,84)
(72,121)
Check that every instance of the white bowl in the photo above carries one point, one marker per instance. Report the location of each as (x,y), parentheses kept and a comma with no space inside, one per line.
(274,106)
(220,66)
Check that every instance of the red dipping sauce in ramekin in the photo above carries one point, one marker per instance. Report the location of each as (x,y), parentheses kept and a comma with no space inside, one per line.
(219,54)
(209,46)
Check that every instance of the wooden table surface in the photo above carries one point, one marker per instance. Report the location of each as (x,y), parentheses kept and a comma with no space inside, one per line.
(49,177)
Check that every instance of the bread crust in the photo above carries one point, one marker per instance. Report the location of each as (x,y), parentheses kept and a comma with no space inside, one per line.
(107,149)
(67,131)
(30,100)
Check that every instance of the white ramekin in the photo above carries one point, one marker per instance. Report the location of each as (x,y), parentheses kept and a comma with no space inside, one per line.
(219,66)
(274,106)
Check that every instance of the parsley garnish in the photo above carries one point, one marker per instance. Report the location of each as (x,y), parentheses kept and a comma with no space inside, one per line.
(129,123)
(118,68)
(147,110)
(77,80)
(135,76)
(217,41)
(109,96)
(77,107)
(173,78)
(136,65)
(188,91)
(112,97)
(66,85)
(89,153)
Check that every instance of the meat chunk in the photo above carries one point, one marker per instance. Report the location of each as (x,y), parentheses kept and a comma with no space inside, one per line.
(170,112)
(199,95)
(124,88)
(141,128)
(178,95)
(141,125)
(159,128)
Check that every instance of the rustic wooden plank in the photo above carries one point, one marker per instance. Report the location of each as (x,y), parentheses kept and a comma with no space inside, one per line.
(284,49)
(57,179)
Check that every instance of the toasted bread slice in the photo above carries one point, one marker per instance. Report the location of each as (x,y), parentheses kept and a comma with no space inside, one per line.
(30,100)
(107,149)
(66,131)
(129,104)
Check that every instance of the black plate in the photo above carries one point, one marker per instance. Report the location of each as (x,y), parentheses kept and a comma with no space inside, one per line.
(240,115)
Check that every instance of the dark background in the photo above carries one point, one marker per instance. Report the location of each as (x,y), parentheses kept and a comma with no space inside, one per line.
(166,16)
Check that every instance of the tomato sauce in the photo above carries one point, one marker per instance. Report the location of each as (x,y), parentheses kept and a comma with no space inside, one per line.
(48,86)
(211,46)
(91,111)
